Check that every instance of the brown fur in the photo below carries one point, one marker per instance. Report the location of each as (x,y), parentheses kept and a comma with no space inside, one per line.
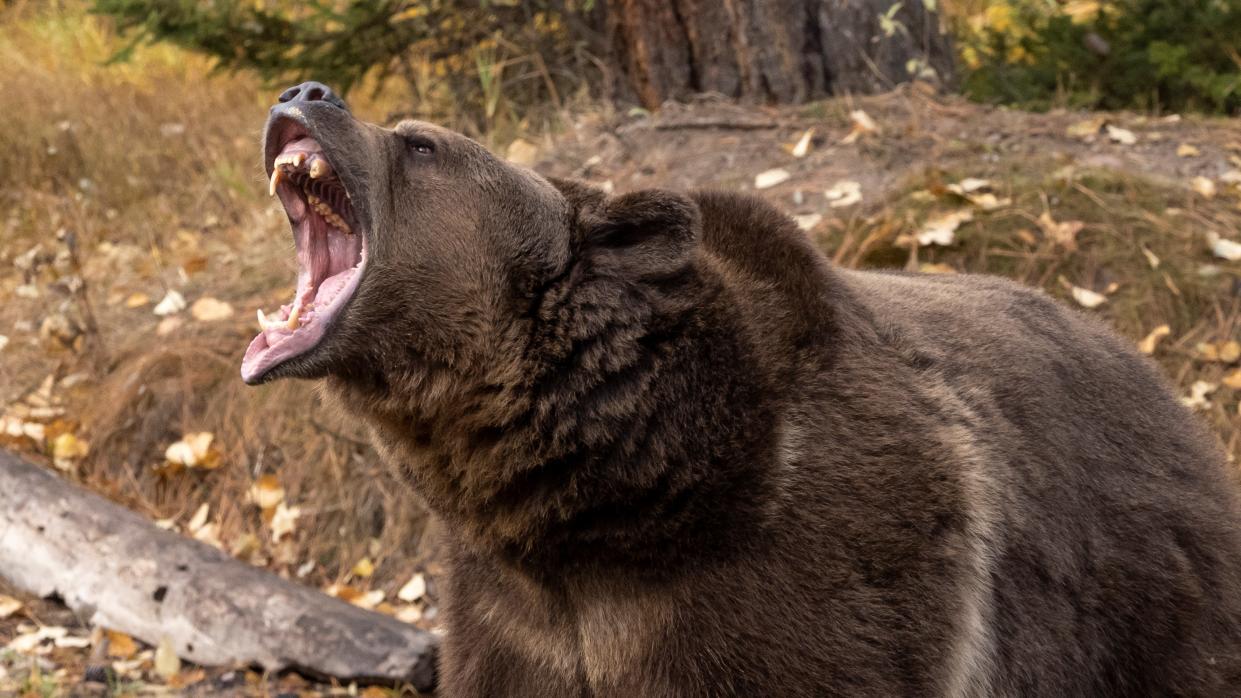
(679,454)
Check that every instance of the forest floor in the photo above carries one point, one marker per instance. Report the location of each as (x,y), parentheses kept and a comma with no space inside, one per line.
(136,242)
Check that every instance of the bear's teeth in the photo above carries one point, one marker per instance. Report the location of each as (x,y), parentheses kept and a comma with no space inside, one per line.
(297,311)
(319,168)
(276,174)
(267,323)
(294,159)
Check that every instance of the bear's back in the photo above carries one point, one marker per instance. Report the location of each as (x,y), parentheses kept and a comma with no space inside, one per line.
(1114,551)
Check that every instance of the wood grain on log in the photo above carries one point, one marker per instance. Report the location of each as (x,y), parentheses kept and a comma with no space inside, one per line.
(120,571)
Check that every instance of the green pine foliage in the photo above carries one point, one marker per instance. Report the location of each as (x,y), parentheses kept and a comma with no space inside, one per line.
(474,63)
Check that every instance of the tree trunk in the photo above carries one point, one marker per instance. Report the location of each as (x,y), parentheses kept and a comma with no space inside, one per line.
(121,572)
(773,51)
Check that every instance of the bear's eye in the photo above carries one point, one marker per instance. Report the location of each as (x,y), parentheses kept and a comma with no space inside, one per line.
(421,146)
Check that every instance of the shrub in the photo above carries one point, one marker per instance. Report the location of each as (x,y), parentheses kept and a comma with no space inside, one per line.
(476,64)
(1146,54)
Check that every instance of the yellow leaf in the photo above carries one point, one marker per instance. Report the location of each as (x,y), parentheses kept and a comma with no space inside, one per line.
(167,663)
(1086,129)
(1148,344)
(266,492)
(364,568)
(1187,150)
(1233,379)
(137,300)
(120,645)
(1203,186)
(802,147)
(199,519)
(8,606)
(1229,351)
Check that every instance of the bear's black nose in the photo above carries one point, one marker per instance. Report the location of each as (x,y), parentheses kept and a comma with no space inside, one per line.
(312,92)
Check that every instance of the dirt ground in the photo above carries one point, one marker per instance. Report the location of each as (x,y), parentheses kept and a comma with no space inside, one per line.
(1112,211)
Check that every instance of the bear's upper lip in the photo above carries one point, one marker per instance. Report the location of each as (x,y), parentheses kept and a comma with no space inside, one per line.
(331,247)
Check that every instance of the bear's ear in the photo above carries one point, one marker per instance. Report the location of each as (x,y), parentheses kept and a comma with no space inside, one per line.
(642,234)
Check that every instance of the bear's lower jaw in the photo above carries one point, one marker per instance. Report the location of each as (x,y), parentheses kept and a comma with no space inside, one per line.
(331,257)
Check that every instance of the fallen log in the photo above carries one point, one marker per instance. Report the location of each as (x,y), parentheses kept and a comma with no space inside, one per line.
(120,571)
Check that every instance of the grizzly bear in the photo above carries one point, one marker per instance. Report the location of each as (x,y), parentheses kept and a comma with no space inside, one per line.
(676,452)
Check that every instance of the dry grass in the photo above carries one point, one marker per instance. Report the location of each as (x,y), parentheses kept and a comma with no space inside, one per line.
(150,168)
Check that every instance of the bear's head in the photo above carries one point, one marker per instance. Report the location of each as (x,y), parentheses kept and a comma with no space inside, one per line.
(415,245)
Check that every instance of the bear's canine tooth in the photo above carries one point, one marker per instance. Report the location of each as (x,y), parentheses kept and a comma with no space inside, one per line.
(276,175)
(293,315)
(318,168)
(266,323)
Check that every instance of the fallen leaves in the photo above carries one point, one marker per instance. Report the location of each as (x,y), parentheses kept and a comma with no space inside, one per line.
(1148,343)
(1063,234)
(194,450)
(172,303)
(808,221)
(9,606)
(1198,394)
(1121,135)
(1187,150)
(120,645)
(1223,248)
(362,599)
(266,493)
(844,193)
(941,229)
(67,449)
(522,152)
(35,641)
(1085,297)
(208,309)
(770,178)
(413,590)
(801,148)
(363,569)
(1203,186)
(167,663)
(284,521)
(863,125)
(1086,129)
(1226,352)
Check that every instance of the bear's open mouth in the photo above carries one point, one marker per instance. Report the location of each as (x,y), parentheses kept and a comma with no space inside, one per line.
(331,253)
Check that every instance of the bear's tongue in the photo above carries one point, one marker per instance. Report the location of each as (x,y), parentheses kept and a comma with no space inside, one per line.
(330,258)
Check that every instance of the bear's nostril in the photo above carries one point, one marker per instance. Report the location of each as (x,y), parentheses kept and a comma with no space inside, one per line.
(312,92)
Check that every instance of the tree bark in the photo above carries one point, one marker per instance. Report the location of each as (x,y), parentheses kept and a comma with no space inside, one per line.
(773,51)
(121,572)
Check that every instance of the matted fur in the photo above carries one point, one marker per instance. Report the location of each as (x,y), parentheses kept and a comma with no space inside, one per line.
(677,453)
